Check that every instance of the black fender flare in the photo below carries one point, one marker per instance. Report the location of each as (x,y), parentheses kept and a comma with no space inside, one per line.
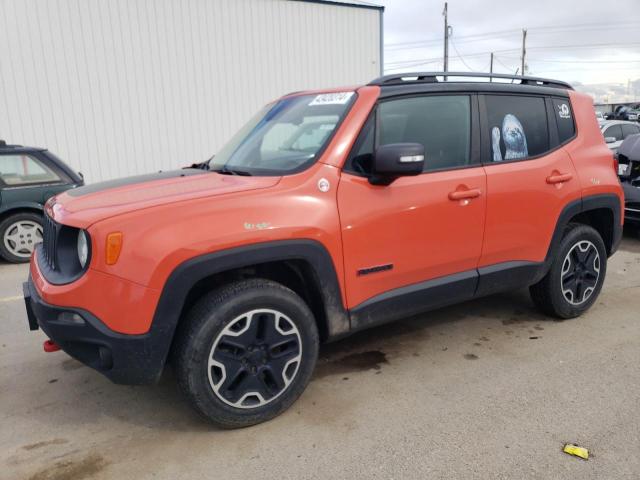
(184,277)
(582,205)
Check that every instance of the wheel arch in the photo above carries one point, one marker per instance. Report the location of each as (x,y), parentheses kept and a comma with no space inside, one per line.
(602,212)
(304,266)
(22,207)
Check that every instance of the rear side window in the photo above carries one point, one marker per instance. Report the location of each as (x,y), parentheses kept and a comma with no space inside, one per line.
(442,124)
(518,127)
(564,118)
(613,131)
(629,130)
(16,170)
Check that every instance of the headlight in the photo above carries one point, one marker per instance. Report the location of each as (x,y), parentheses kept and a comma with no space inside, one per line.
(83,248)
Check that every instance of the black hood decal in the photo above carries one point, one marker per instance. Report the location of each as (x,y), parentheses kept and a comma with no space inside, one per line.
(121,182)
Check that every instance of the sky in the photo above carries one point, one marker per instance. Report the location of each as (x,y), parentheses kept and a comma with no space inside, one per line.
(593,44)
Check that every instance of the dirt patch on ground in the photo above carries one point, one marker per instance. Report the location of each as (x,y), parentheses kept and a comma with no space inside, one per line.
(355,362)
(45,443)
(79,469)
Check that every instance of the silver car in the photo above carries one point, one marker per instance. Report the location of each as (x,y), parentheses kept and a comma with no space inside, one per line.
(615,131)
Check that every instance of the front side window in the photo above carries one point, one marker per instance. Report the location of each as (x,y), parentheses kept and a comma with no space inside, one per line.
(285,136)
(517,127)
(442,124)
(615,132)
(18,170)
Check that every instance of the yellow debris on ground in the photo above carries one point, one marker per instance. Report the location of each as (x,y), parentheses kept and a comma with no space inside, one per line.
(576,451)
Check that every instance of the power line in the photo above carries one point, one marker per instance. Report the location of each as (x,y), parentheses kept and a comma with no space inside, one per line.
(413,65)
(509,50)
(495,57)
(538,60)
(545,29)
(460,56)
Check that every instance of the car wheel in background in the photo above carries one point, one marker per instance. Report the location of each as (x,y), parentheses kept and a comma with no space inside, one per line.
(19,235)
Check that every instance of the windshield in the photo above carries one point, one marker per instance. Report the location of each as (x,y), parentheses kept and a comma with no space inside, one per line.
(285,136)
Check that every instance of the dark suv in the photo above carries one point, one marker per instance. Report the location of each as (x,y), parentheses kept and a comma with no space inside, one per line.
(28,177)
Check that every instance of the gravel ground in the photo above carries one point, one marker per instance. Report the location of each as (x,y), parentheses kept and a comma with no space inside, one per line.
(486,389)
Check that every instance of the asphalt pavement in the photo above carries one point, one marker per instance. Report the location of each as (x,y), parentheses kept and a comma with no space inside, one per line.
(486,389)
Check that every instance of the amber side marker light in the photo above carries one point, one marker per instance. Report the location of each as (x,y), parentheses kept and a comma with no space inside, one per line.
(114,245)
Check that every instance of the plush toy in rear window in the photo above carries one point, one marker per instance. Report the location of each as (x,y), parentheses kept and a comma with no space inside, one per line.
(513,137)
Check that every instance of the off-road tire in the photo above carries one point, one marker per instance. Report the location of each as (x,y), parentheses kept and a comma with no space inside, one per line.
(207,321)
(548,294)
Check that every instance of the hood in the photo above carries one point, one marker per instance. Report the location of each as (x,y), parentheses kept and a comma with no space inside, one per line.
(83,206)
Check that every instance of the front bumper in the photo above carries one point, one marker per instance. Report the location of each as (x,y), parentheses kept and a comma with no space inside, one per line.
(125,359)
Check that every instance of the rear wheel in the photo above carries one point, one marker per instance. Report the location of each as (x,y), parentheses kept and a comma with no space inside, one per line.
(246,352)
(576,276)
(19,235)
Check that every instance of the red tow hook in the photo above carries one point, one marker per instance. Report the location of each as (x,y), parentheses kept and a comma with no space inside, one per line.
(50,346)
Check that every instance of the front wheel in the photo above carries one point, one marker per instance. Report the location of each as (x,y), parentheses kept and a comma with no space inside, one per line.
(246,352)
(576,276)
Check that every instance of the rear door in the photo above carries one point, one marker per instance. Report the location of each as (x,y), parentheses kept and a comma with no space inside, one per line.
(415,229)
(530,178)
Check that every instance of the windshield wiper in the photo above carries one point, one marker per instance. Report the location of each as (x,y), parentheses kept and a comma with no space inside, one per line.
(202,165)
(232,171)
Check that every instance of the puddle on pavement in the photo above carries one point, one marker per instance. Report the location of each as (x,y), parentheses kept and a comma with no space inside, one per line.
(355,362)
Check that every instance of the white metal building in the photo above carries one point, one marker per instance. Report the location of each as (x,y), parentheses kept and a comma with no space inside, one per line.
(120,87)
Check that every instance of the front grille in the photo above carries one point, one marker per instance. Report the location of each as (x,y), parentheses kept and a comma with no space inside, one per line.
(49,240)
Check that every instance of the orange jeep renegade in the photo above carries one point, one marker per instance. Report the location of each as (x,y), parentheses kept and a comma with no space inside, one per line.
(329,212)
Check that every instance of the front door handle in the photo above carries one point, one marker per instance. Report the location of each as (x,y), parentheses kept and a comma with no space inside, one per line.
(559,178)
(464,194)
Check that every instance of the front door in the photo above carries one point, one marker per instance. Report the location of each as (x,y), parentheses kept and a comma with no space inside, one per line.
(418,232)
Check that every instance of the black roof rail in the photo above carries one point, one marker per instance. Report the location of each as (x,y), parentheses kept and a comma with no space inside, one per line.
(410,78)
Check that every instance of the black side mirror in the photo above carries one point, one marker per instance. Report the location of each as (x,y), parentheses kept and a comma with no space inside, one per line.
(396,160)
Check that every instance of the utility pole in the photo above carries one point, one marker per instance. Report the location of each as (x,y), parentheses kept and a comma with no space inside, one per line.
(491,67)
(524,50)
(445,63)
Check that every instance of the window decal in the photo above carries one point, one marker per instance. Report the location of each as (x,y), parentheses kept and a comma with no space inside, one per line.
(513,137)
(563,111)
(338,98)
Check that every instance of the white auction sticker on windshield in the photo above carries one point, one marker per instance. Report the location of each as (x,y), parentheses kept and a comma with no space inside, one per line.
(337,98)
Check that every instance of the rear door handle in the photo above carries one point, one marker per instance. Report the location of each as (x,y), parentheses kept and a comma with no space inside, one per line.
(464,194)
(559,178)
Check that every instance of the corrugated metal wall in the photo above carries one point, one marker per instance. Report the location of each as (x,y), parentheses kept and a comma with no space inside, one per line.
(120,87)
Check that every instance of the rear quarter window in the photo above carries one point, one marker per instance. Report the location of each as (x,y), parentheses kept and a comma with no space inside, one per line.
(20,170)
(564,119)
